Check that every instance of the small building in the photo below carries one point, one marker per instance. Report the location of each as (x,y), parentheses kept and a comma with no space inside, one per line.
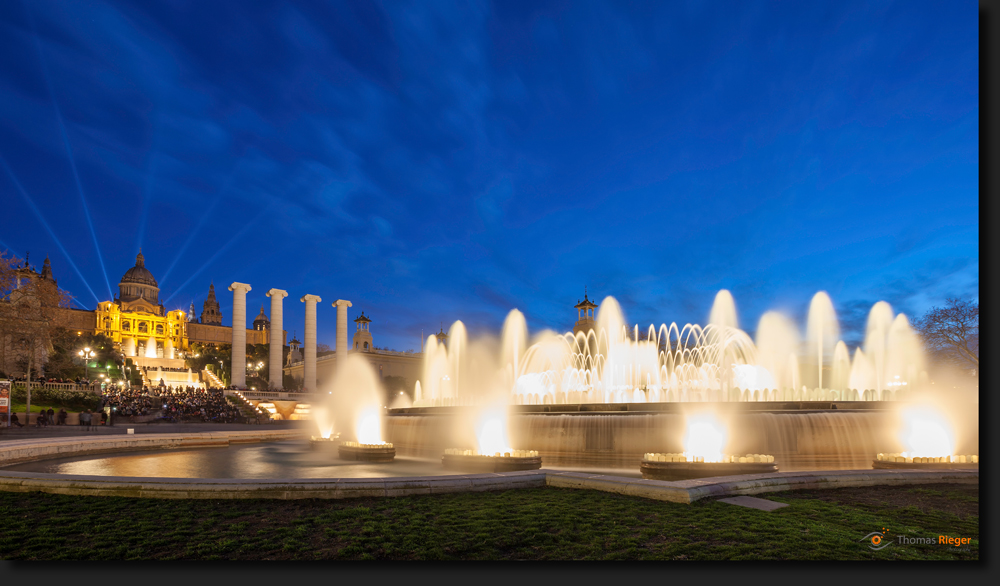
(362,336)
(585,319)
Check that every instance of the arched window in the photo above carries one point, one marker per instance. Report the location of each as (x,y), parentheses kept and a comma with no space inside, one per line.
(159,329)
(126,326)
(143,327)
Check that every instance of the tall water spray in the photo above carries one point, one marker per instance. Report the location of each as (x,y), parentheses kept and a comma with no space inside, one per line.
(513,344)
(876,339)
(822,331)
(777,346)
(352,402)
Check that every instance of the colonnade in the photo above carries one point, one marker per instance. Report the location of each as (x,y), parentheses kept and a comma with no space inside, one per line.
(277,296)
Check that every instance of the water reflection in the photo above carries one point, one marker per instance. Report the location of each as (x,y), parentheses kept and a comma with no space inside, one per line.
(289,459)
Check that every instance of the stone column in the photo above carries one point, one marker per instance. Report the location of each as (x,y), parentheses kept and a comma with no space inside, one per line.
(240,290)
(341,305)
(277,344)
(309,349)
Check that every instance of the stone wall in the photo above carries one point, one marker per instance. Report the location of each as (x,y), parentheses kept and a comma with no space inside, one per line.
(408,366)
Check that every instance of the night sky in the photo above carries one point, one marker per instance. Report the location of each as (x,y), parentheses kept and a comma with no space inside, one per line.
(432,161)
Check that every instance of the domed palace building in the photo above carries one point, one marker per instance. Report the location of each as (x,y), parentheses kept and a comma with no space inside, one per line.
(136,319)
(138,322)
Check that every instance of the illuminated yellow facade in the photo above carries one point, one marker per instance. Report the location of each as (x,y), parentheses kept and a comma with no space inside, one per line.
(138,323)
(143,332)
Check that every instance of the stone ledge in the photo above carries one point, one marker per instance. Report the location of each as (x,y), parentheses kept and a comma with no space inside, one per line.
(186,488)
(27,450)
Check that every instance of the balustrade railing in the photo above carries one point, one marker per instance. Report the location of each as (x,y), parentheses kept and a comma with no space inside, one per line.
(264,395)
(93,387)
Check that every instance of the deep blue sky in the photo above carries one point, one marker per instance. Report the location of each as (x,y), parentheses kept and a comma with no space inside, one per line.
(433,161)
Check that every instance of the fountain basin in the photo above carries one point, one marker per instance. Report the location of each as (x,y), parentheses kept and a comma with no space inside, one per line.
(479,463)
(901,462)
(691,470)
(367,452)
(883,465)
(811,437)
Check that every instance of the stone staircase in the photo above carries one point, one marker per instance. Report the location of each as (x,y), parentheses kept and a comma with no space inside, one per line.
(247,410)
(211,380)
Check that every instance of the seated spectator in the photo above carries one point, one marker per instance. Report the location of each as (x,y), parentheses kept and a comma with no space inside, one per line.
(14,421)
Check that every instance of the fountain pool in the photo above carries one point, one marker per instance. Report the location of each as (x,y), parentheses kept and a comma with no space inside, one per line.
(601,400)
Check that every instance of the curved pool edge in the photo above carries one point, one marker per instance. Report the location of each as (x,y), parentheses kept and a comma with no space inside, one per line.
(684,491)
(31,450)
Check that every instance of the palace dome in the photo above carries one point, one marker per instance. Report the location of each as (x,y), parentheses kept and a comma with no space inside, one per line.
(261,323)
(139,273)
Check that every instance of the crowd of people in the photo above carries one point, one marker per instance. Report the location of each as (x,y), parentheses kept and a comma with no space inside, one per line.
(129,402)
(150,404)
(200,405)
(170,403)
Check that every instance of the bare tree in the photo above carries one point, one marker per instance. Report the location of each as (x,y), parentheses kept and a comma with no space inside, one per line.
(28,312)
(951,332)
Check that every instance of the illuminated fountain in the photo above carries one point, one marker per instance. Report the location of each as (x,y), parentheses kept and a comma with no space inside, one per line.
(369,446)
(716,363)
(929,440)
(704,440)
(612,393)
(327,439)
(352,409)
(493,452)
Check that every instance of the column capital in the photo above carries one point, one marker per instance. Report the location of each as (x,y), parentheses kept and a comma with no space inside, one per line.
(313,298)
(240,286)
(342,303)
(277,293)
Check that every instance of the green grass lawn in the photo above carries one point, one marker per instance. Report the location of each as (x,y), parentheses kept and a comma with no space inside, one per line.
(530,524)
(19,408)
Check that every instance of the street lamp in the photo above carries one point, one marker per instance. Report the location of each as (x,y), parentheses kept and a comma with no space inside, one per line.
(87,354)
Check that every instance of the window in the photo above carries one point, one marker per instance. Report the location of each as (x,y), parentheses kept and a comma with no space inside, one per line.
(366,345)
(126,326)
(143,327)
(159,329)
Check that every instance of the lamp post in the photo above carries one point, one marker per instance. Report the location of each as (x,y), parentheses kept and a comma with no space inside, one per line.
(87,354)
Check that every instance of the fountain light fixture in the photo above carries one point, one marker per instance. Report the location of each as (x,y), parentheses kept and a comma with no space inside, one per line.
(381,452)
(683,466)
(905,460)
(328,443)
(507,461)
